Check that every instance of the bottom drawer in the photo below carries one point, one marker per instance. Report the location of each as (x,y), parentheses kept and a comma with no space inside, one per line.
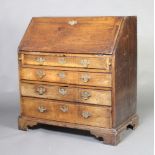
(67,112)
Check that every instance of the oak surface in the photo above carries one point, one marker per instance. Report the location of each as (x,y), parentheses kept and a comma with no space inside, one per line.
(65,93)
(95,35)
(99,116)
(69,77)
(80,72)
(125,73)
(68,60)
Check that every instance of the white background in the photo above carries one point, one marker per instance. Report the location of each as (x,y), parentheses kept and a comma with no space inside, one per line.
(14,19)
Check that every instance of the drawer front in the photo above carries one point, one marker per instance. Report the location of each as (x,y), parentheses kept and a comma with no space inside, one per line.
(49,110)
(67,112)
(99,97)
(94,116)
(69,77)
(98,62)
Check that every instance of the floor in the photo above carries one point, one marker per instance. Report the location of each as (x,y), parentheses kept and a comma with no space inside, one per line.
(45,141)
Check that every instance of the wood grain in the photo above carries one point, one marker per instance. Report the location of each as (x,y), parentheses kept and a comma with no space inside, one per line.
(80,72)
(70,77)
(109,136)
(99,97)
(125,68)
(100,62)
(56,35)
(100,116)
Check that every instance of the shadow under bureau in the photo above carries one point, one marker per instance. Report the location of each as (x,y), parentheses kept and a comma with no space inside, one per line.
(80,72)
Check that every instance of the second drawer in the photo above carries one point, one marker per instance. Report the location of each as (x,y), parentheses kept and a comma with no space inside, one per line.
(68,77)
(92,96)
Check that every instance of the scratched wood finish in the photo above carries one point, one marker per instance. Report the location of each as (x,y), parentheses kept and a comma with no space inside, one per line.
(69,77)
(92,96)
(126,73)
(97,55)
(57,35)
(99,62)
(110,136)
(99,116)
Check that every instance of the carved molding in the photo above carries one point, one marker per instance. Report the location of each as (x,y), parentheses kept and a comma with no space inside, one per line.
(109,136)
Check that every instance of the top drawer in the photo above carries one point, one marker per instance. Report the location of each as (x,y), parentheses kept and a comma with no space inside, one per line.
(69,60)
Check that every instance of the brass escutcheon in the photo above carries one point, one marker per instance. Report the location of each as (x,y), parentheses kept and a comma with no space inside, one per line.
(85,77)
(42,109)
(86,114)
(85,95)
(40,59)
(40,74)
(40,90)
(64,108)
(84,62)
(62,91)
(61,75)
(72,22)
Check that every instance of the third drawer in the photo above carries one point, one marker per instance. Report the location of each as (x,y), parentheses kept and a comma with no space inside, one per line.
(65,93)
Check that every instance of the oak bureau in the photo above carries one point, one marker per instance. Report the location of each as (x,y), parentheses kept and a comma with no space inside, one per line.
(80,72)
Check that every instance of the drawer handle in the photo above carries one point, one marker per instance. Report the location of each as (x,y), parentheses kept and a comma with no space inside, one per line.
(64,108)
(85,95)
(62,60)
(42,109)
(84,62)
(72,22)
(61,75)
(85,78)
(40,74)
(86,114)
(109,65)
(40,59)
(62,91)
(40,90)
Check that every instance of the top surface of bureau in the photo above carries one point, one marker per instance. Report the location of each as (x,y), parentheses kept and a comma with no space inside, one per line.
(83,35)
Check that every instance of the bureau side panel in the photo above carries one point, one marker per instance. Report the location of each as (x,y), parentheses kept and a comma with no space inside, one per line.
(125,76)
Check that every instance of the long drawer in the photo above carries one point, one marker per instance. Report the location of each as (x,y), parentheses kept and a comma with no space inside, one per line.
(68,77)
(69,60)
(67,112)
(66,93)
